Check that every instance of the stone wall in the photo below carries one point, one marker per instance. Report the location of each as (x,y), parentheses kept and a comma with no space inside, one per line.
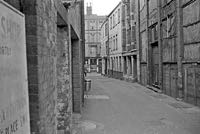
(46,43)
(41,51)
(63,82)
(41,31)
(49,75)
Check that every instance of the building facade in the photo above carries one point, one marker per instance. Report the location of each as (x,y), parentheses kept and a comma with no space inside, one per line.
(160,46)
(130,49)
(122,42)
(54,53)
(116,20)
(104,53)
(93,23)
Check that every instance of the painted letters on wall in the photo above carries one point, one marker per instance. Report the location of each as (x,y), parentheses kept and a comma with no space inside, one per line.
(14,108)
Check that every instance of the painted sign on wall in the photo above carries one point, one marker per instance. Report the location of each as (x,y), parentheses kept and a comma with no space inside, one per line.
(14,107)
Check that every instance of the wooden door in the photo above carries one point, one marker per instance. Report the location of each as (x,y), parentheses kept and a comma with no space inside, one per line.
(106,64)
(174,74)
(155,65)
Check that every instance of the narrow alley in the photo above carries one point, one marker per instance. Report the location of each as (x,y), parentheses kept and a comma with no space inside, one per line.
(142,57)
(118,107)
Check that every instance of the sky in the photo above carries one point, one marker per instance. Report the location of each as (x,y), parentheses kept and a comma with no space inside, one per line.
(102,7)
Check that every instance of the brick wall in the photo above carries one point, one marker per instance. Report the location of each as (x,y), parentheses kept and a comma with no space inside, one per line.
(46,26)
(63,82)
(48,65)
(45,62)
(41,30)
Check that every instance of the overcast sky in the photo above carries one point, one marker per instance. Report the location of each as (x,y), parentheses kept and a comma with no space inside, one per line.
(102,7)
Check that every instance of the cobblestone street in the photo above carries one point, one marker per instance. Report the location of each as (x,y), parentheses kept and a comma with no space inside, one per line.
(118,107)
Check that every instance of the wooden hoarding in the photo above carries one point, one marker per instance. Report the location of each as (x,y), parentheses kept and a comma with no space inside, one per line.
(14,107)
(192,85)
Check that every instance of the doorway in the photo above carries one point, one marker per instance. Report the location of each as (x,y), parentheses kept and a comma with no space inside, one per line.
(155,65)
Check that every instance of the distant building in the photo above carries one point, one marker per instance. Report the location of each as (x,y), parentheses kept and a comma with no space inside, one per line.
(130,49)
(121,41)
(116,21)
(105,47)
(93,23)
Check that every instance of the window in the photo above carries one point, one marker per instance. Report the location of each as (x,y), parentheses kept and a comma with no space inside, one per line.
(142,3)
(134,33)
(116,43)
(153,34)
(106,29)
(90,51)
(110,22)
(113,42)
(123,15)
(93,37)
(156,32)
(116,17)
(164,2)
(170,25)
(164,28)
(113,20)
(152,5)
(150,35)
(119,15)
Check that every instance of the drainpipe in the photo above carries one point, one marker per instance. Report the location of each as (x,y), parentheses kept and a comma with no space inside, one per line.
(148,58)
(138,42)
(160,46)
(180,49)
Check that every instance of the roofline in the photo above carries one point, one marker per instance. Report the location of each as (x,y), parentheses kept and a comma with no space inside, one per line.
(114,9)
(94,16)
(104,21)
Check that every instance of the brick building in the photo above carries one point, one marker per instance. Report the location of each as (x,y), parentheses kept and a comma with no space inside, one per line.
(55,57)
(116,20)
(104,55)
(93,23)
(122,41)
(161,46)
(130,50)
(169,47)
